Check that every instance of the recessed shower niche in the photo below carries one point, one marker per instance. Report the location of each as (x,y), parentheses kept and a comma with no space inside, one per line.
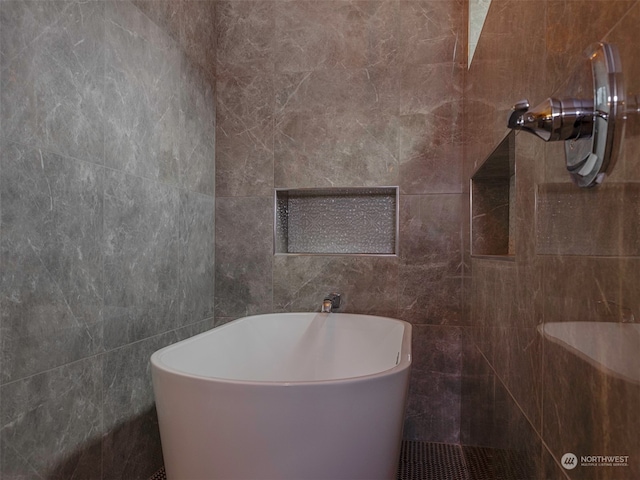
(336,221)
(493,194)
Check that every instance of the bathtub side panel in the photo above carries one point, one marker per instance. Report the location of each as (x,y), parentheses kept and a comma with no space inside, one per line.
(342,430)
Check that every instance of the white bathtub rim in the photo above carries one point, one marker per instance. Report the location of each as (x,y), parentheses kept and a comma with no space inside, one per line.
(404,361)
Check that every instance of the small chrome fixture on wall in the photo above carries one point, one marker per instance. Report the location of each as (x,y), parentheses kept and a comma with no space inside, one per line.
(591,128)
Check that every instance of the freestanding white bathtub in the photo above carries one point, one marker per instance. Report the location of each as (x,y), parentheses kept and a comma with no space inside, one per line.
(285,396)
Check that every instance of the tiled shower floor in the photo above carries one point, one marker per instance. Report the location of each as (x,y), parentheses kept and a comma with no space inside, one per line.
(439,461)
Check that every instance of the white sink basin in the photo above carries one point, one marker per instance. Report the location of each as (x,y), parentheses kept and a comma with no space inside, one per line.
(613,348)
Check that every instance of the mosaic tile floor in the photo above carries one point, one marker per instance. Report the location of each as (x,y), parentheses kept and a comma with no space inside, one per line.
(438,461)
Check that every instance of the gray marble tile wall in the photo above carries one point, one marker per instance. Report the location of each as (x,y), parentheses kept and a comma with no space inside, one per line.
(347,93)
(574,250)
(107,185)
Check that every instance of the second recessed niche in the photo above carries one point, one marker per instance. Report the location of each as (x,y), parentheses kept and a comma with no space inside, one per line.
(336,221)
(493,203)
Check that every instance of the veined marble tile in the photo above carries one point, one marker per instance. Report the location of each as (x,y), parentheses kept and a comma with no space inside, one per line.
(196,251)
(350,149)
(432,32)
(597,221)
(564,48)
(191,23)
(428,294)
(244,256)
(431,152)
(132,448)
(198,33)
(337,91)
(52,424)
(432,87)
(52,262)
(140,258)
(368,285)
(23,21)
(244,136)
(587,411)
(435,383)
(431,231)
(245,37)
(53,79)
(142,95)
(197,141)
(336,34)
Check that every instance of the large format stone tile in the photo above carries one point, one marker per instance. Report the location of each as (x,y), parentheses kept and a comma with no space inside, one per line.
(430,158)
(140,258)
(433,409)
(430,272)
(587,411)
(599,221)
(245,37)
(197,142)
(244,138)
(349,149)
(191,23)
(567,39)
(53,78)
(244,256)
(23,21)
(132,448)
(196,264)
(51,260)
(602,292)
(444,82)
(428,294)
(313,35)
(337,91)
(368,285)
(142,117)
(432,32)
(52,423)
(431,231)
(198,33)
